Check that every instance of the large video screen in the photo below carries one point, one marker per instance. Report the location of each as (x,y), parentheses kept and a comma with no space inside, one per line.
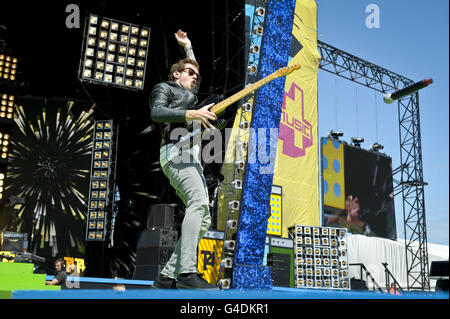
(49,167)
(358,190)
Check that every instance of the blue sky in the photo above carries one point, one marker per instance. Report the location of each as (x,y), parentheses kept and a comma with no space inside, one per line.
(412,40)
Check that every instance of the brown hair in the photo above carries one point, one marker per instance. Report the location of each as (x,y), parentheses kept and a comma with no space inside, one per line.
(180,66)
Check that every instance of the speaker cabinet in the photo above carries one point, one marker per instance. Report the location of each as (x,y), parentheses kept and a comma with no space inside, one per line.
(11,241)
(161,215)
(153,251)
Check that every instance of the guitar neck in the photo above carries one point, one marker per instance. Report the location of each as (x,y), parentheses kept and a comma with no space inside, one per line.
(221,106)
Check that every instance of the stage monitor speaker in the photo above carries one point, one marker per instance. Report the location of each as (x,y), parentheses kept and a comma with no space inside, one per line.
(358,284)
(12,241)
(153,251)
(161,216)
(439,268)
(441,285)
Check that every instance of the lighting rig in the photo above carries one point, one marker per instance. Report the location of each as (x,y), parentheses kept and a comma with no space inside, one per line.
(356,141)
(321,259)
(241,151)
(114,53)
(101,202)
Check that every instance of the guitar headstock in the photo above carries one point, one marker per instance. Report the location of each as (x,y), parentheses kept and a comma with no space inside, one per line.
(286,70)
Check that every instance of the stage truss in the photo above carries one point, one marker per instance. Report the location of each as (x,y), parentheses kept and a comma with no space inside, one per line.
(409,181)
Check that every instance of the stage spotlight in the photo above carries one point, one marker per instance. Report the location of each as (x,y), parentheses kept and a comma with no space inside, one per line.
(260,11)
(356,141)
(255,49)
(224,283)
(240,165)
(244,125)
(243,146)
(252,69)
(376,147)
(247,107)
(227,262)
(233,205)
(114,53)
(229,244)
(258,29)
(237,184)
(335,134)
(232,224)
(391,97)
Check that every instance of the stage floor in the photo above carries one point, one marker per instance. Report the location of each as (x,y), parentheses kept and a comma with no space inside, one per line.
(145,292)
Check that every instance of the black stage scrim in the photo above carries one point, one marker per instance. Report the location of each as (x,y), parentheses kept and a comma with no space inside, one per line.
(358,193)
(49,167)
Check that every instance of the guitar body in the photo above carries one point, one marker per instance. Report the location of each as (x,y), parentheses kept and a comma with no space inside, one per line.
(211,99)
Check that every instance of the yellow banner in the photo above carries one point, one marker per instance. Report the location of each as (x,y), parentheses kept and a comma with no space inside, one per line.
(296,169)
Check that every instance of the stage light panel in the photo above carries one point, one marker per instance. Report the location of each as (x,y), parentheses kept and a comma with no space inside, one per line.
(120,44)
(233,205)
(102,166)
(325,265)
(6,108)
(8,67)
(4,147)
(2,181)
(274,223)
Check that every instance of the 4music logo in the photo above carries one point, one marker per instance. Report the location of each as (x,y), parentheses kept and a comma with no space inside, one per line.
(296,133)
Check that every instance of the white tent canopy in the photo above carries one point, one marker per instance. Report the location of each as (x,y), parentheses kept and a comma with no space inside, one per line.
(374,251)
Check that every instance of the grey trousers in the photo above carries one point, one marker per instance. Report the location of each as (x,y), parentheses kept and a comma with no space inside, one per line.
(190,185)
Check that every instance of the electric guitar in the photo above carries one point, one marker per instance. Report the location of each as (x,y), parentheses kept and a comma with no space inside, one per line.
(221,106)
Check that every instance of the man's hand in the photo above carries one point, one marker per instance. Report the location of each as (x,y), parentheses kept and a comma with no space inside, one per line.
(203,114)
(182,39)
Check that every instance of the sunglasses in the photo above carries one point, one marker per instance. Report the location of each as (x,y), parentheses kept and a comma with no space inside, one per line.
(191,72)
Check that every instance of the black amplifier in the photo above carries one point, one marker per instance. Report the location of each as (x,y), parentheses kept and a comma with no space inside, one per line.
(12,241)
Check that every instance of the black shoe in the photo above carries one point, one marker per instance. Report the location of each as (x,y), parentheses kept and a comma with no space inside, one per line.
(164,282)
(194,281)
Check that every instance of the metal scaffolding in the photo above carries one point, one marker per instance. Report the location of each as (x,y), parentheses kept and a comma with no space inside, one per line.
(410,183)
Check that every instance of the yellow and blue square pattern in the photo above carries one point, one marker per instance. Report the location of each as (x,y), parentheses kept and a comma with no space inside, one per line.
(333,173)
(274,222)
